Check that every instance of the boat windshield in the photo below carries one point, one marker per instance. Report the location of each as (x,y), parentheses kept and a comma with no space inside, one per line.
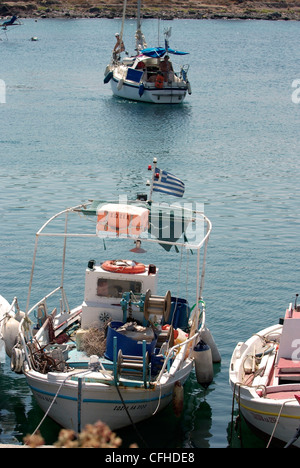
(107,287)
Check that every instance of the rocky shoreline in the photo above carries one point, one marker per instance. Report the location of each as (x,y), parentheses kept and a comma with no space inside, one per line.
(168,9)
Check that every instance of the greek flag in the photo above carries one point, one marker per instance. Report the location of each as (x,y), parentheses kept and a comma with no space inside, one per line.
(167,183)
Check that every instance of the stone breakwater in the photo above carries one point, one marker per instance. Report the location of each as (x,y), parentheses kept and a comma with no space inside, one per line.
(168,9)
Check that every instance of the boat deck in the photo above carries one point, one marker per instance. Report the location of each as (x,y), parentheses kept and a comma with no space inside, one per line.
(77,358)
(132,374)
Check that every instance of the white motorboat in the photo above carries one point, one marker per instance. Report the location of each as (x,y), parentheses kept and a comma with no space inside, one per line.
(123,351)
(148,75)
(265,379)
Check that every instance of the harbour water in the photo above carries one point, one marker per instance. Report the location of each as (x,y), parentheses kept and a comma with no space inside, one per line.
(234,142)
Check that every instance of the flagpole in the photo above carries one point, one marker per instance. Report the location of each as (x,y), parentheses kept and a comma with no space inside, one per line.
(152,181)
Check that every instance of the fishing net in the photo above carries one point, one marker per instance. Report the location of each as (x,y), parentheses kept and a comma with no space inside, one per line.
(94,342)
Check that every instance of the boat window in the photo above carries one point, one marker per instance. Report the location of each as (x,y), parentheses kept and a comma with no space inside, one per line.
(116,287)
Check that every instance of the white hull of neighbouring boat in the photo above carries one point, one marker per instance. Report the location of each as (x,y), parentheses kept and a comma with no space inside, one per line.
(169,94)
(75,405)
(269,408)
(263,416)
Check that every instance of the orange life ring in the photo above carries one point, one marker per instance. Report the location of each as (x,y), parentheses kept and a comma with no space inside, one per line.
(123,266)
(159,82)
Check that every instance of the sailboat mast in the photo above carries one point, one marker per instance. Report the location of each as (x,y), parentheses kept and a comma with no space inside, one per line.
(140,43)
(138,18)
(123,20)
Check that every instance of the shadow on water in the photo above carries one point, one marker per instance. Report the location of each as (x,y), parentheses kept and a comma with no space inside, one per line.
(192,429)
(241,435)
(147,121)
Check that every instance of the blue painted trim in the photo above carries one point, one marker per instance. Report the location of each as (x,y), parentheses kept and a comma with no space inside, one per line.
(91,400)
(43,392)
(148,89)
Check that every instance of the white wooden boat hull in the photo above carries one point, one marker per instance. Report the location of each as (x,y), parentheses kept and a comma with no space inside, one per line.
(263,415)
(167,95)
(271,410)
(73,407)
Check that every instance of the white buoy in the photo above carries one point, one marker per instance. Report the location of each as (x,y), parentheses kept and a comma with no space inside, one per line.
(203,364)
(207,337)
(10,331)
(9,324)
(4,309)
(120,84)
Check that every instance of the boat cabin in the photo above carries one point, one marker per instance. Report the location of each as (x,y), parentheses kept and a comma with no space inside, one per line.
(287,367)
(148,69)
(105,285)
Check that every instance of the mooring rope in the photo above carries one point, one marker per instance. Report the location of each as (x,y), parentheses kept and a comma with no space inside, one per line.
(277,421)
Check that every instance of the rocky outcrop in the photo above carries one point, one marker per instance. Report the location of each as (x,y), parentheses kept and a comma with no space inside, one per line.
(168,9)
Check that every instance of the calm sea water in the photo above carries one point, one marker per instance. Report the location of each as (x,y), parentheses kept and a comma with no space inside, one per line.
(235,143)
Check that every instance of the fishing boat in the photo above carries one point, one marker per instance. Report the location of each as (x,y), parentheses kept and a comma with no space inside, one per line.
(124,351)
(148,75)
(265,379)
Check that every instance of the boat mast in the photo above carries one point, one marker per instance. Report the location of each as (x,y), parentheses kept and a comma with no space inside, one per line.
(123,20)
(140,42)
(138,19)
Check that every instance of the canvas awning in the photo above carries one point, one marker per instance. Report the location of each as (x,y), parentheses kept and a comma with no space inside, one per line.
(161,51)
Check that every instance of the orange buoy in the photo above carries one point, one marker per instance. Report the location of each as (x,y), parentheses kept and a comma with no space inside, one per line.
(178,394)
(123,266)
(159,82)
